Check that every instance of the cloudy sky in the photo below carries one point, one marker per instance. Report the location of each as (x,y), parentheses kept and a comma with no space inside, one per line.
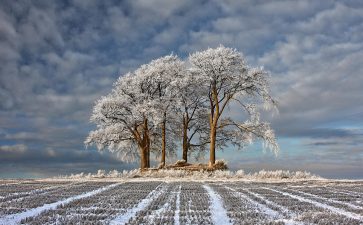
(58,57)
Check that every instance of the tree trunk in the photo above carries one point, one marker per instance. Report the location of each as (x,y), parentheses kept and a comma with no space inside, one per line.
(143,157)
(148,158)
(212,147)
(148,149)
(213,121)
(143,142)
(163,144)
(185,139)
(146,144)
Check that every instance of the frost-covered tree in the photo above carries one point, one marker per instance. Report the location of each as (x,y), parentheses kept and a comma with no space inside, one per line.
(145,107)
(134,116)
(229,79)
(192,112)
(122,120)
(158,76)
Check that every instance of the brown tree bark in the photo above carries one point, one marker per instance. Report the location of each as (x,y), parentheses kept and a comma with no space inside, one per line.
(143,157)
(212,147)
(213,121)
(217,107)
(147,142)
(185,138)
(163,144)
(144,144)
(148,157)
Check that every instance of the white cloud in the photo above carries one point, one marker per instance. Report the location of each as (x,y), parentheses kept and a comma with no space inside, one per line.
(51,152)
(17,149)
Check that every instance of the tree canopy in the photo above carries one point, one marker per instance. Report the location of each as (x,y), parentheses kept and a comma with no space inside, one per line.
(166,102)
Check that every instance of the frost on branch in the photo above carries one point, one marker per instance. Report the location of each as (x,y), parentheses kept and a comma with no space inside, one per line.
(134,118)
(228,79)
(165,103)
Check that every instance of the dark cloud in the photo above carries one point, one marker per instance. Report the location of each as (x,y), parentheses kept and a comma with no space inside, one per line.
(21,161)
(57,58)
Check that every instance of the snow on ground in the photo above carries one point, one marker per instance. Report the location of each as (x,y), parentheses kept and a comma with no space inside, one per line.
(156,216)
(177,207)
(273,214)
(214,202)
(34,189)
(269,212)
(122,219)
(327,199)
(219,213)
(347,192)
(283,209)
(16,218)
(198,175)
(322,205)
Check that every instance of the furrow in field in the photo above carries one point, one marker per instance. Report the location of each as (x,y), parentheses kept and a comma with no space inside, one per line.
(352,199)
(303,212)
(100,208)
(356,198)
(345,192)
(129,214)
(19,196)
(17,218)
(172,203)
(320,205)
(194,204)
(335,203)
(161,210)
(356,188)
(261,207)
(243,210)
(219,213)
(269,203)
(12,190)
(156,202)
(177,207)
(33,201)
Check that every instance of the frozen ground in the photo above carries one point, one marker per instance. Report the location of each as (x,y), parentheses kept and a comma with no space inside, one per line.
(154,201)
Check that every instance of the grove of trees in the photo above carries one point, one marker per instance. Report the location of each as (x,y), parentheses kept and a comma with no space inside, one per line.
(169,103)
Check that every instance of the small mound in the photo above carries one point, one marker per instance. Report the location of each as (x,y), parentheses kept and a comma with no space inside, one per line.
(183,165)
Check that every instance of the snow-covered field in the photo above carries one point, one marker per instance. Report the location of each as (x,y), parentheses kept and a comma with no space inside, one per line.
(154,201)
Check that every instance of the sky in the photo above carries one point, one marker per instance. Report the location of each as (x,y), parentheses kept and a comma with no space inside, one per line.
(58,57)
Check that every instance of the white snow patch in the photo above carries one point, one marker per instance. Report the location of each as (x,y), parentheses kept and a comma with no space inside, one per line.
(347,192)
(124,218)
(219,213)
(327,199)
(16,218)
(177,209)
(42,191)
(283,209)
(269,212)
(290,222)
(321,205)
(158,213)
(164,208)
